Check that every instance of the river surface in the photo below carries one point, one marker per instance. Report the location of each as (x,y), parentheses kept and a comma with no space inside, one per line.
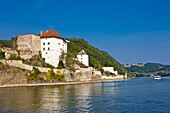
(137,95)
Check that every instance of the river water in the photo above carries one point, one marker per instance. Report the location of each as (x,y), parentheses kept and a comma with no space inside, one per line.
(138,95)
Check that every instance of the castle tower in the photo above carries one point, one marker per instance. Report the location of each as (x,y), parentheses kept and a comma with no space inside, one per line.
(83,57)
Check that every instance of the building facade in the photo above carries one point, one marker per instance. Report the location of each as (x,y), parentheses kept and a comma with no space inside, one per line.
(52,46)
(111,70)
(83,57)
(28,45)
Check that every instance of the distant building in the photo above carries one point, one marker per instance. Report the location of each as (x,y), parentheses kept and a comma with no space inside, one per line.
(52,46)
(137,64)
(127,65)
(83,57)
(111,70)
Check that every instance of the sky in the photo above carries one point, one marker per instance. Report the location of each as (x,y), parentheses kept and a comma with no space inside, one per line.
(131,31)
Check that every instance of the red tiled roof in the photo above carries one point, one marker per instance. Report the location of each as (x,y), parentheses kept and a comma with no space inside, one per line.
(80,64)
(51,33)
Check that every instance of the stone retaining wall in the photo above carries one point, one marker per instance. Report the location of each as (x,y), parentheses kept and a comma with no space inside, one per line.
(83,74)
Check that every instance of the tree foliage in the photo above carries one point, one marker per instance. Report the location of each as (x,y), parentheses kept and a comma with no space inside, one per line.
(150,68)
(8,43)
(14,57)
(5,43)
(34,74)
(2,55)
(60,65)
(51,75)
(97,58)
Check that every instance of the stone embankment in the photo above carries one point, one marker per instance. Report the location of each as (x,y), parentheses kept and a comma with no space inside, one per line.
(49,84)
(20,64)
(13,77)
(81,75)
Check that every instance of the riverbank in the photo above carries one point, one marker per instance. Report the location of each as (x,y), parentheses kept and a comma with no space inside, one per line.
(57,83)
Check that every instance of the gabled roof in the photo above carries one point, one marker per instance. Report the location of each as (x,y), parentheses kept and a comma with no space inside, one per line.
(51,33)
(82,52)
(80,64)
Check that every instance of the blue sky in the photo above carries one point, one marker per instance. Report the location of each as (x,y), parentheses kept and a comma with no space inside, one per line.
(132,31)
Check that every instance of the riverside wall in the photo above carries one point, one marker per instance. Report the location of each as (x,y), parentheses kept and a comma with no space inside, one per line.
(20,64)
(82,74)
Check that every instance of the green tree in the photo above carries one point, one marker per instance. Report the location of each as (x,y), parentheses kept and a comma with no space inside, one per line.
(60,65)
(2,55)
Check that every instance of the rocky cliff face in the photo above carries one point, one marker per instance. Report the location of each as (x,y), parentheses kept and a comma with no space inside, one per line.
(10,75)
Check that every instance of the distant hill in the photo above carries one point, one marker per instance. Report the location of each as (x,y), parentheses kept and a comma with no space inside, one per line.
(150,68)
(98,58)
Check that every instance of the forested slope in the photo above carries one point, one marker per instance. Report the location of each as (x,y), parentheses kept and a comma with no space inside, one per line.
(98,58)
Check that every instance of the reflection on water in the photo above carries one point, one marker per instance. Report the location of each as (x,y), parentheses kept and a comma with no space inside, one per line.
(136,95)
(53,98)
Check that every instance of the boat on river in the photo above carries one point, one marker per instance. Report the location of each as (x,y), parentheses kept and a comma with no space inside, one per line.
(158,77)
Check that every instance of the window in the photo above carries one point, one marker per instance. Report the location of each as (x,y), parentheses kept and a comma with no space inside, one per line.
(43,49)
(44,43)
(48,43)
(58,43)
(48,48)
(46,52)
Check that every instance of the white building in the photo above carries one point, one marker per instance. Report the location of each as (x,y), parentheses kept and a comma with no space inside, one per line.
(83,57)
(111,70)
(52,46)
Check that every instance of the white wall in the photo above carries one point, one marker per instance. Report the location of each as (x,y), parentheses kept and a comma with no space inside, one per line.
(52,50)
(110,69)
(84,59)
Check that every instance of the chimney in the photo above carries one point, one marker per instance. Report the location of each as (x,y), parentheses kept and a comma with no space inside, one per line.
(41,33)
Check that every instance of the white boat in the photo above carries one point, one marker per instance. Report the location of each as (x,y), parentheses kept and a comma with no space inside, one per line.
(157,77)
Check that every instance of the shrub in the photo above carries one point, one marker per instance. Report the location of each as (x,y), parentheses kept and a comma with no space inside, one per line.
(34,74)
(36,71)
(2,55)
(107,73)
(33,77)
(60,76)
(52,76)
(102,71)
(49,65)
(14,57)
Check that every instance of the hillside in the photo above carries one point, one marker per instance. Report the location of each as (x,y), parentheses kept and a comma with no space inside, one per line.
(150,68)
(97,57)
